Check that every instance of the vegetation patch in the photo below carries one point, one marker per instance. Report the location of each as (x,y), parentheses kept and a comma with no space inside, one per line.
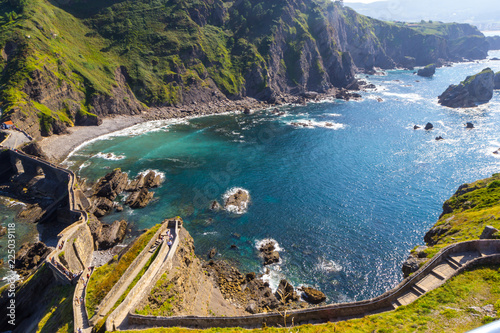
(106,276)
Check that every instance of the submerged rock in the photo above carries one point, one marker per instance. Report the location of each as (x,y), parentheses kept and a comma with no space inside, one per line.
(215,206)
(474,90)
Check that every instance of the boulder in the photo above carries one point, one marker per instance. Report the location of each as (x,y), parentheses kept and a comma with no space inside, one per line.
(139,199)
(112,234)
(285,292)
(474,90)
(469,125)
(416,127)
(428,126)
(427,71)
(312,295)
(489,232)
(411,265)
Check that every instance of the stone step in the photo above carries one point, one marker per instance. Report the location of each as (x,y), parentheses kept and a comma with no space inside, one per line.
(437,275)
(419,289)
(407,298)
(452,262)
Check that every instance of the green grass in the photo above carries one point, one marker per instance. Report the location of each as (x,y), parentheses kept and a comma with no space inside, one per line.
(59,317)
(106,276)
(166,306)
(468,211)
(446,309)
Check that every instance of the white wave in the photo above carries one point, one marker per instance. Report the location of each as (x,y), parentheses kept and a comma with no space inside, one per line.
(259,243)
(242,208)
(210,233)
(84,165)
(109,156)
(328,266)
(156,172)
(315,124)
(272,274)
(333,114)
(410,97)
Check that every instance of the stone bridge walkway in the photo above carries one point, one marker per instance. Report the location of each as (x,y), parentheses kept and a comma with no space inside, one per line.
(80,316)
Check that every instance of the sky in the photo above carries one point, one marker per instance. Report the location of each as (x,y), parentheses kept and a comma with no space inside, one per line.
(362,1)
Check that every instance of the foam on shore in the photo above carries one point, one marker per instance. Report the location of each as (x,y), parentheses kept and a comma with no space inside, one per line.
(109,156)
(155,171)
(315,124)
(271,273)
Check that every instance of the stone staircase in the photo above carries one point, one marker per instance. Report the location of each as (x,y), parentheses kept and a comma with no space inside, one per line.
(442,272)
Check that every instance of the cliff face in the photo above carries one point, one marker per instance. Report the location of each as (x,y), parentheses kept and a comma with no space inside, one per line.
(73,62)
(474,90)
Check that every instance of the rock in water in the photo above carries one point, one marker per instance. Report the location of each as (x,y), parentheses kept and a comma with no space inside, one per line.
(416,127)
(427,71)
(237,202)
(312,295)
(469,125)
(212,253)
(497,81)
(474,90)
(428,126)
(111,185)
(268,252)
(215,206)
(439,138)
(139,199)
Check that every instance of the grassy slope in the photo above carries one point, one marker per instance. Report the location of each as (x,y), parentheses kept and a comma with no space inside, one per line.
(105,277)
(446,309)
(49,39)
(467,212)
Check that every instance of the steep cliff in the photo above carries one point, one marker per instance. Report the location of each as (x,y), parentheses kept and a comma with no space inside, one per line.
(74,62)
(474,90)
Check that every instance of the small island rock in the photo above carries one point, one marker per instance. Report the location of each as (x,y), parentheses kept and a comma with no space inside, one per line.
(312,295)
(474,90)
(428,126)
(427,71)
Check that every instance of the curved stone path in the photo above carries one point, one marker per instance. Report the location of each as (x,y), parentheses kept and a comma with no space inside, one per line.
(449,262)
(80,316)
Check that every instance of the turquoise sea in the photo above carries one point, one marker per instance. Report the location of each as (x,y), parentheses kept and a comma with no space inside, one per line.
(346,197)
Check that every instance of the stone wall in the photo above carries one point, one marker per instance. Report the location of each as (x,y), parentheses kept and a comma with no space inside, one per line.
(489,248)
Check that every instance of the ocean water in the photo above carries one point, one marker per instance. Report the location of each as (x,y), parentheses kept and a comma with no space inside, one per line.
(346,197)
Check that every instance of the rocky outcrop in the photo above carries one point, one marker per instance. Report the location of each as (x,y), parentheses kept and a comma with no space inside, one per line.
(312,295)
(489,232)
(139,199)
(493,42)
(416,259)
(111,185)
(474,90)
(237,202)
(428,126)
(34,149)
(427,71)
(269,253)
(30,256)
(107,235)
(286,293)
(149,180)
(3,231)
(496,81)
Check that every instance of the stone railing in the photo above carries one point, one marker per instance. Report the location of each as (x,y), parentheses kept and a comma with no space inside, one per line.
(145,283)
(488,252)
(127,277)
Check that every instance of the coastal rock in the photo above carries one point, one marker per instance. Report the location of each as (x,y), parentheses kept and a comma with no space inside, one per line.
(474,90)
(439,138)
(215,206)
(32,213)
(428,126)
(139,199)
(111,185)
(34,149)
(112,234)
(238,201)
(411,265)
(489,232)
(30,256)
(416,127)
(149,180)
(102,206)
(496,81)
(269,254)
(427,71)
(312,295)
(285,292)
(212,253)
(469,125)
(3,230)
